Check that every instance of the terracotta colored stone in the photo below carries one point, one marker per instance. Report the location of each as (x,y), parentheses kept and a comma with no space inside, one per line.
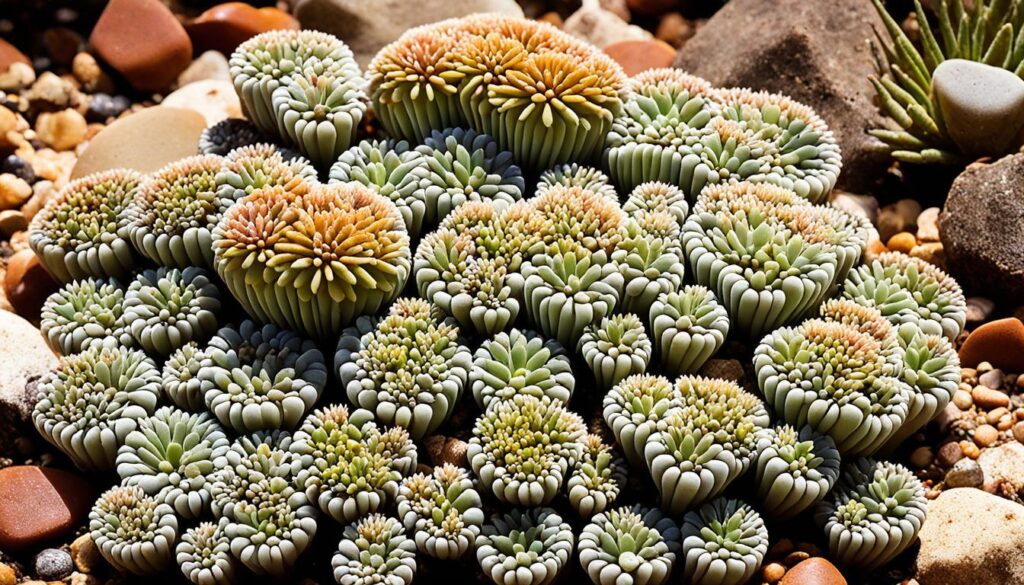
(225,26)
(636,56)
(143,41)
(40,503)
(129,142)
(27,284)
(814,571)
(9,55)
(1001,343)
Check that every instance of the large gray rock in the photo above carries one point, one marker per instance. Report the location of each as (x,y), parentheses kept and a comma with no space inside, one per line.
(1005,464)
(369,25)
(971,536)
(816,52)
(982,228)
(25,359)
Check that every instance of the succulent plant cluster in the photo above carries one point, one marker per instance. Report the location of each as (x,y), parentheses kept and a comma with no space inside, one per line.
(629,546)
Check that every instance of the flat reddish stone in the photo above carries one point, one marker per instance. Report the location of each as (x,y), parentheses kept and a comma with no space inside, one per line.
(39,504)
(637,56)
(1000,343)
(143,41)
(225,26)
(9,55)
(813,571)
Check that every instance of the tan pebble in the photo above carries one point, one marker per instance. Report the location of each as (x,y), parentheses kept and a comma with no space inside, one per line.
(82,579)
(986,435)
(902,242)
(18,76)
(962,399)
(930,252)
(781,548)
(983,367)
(992,485)
(988,398)
(12,221)
(1005,423)
(968,375)
(922,457)
(1018,431)
(994,415)
(85,553)
(795,557)
(13,191)
(7,575)
(773,572)
(970,449)
(62,130)
(1020,381)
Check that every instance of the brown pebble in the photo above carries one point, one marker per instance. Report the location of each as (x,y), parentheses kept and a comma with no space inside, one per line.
(795,557)
(1020,381)
(225,26)
(962,399)
(988,398)
(949,454)
(773,572)
(1018,431)
(817,571)
(62,130)
(82,579)
(639,55)
(970,449)
(142,40)
(781,548)
(85,553)
(1005,423)
(7,575)
(986,435)
(13,191)
(922,457)
(993,416)
(902,242)
(992,379)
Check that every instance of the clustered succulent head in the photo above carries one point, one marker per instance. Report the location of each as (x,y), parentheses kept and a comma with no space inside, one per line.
(874,513)
(577,175)
(314,262)
(180,378)
(167,308)
(84,314)
(629,546)
(520,363)
(256,378)
(658,196)
(650,259)
(524,448)
(227,135)
(83,232)
(724,543)
(614,348)
(634,408)
(794,470)
(374,550)
(442,511)
(524,547)
(408,369)
(248,168)
(597,479)
(204,555)
(986,31)
(93,400)
(687,328)
(134,532)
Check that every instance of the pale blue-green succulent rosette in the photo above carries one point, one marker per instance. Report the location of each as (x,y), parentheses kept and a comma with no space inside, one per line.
(629,546)
(227,135)
(374,550)
(167,308)
(83,314)
(650,258)
(133,532)
(598,478)
(204,555)
(634,407)
(520,362)
(660,197)
(614,348)
(724,543)
(577,175)
(794,470)
(179,378)
(688,327)
(525,547)
(248,168)
(442,511)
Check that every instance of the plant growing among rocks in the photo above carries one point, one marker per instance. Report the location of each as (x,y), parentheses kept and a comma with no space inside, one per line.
(576,175)
(688,327)
(629,546)
(597,479)
(179,378)
(134,532)
(84,314)
(614,348)
(633,410)
(204,555)
(794,470)
(520,363)
(724,543)
(167,308)
(372,550)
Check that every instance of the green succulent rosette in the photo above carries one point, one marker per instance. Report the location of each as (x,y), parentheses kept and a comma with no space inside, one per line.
(520,363)
(524,547)
(614,348)
(204,555)
(167,308)
(794,470)
(577,175)
(442,510)
(725,542)
(629,546)
(633,408)
(597,479)
(688,327)
(84,314)
(133,532)
(373,550)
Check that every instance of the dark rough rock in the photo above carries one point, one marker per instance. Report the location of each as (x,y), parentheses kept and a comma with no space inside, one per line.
(982,228)
(816,54)
(39,504)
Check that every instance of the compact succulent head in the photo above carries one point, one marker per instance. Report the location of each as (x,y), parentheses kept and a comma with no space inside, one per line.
(705,443)
(846,234)
(577,175)
(275,59)
(725,542)
(93,400)
(248,168)
(174,211)
(442,511)
(345,468)
(170,456)
(874,513)
(314,262)
(688,327)
(409,369)
(864,318)
(227,135)
(614,348)
(524,547)
(204,555)
(83,314)
(909,290)
(573,214)
(256,378)
(134,532)
(794,470)
(650,258)
(397,447)
(166,308)
(629,546)
(523,448)
(268,520)
(597,478)
(374,550)
(836,378)
(465,165)
(520,363)
(84,232)
(633,409)
(658,196)
(180,378)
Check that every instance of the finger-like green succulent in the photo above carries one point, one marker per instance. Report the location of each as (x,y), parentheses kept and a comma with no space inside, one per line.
(793,471)
(134,532)
(989,33)
(83,314)
(344,467)
(274,59)
(724,541)
(846,234)
(597,479)
(248,168)
(166,308)
(204,555)
(409,369)
(688,328)
(180,378)
(269,520)
(873,514)
(528,547)
(658,196)
(374,550)
(650,259)
(227,135)
(84,231)
(577,175)
(520,362)
(397,446)
(259,378)
(522,449)
(614,348)
(170,456)
(442,511)
(629,546)
(705,443)
(836,378)
(634,407)
(314,262)
(909,290)
(93,400)
(465,165)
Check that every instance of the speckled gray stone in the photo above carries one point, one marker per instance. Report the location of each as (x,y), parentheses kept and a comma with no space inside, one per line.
(53,564)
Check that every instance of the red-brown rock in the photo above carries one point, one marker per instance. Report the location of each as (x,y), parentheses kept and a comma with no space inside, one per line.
(1000,343)
(225,26)
(637,56)
(143,41)
(40,503)
(813,571)
(651,7)
(9,55)
(27,284)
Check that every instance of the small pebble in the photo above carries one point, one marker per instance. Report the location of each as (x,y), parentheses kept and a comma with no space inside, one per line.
(949,453)
(992,379)
(85,553)
(13,191)
(103,107)
(773,572)
(62,130)
(1020,381)
(53,564)
(983,367)
(7,575)
(986,435)
(82,579)
(795,557)
(994,415)
(17,166)
(979,309)
(922,457)
(927,225)
(962,399)
(781,548)
(987,398)
(970,449)
(966,473)
(902,242)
